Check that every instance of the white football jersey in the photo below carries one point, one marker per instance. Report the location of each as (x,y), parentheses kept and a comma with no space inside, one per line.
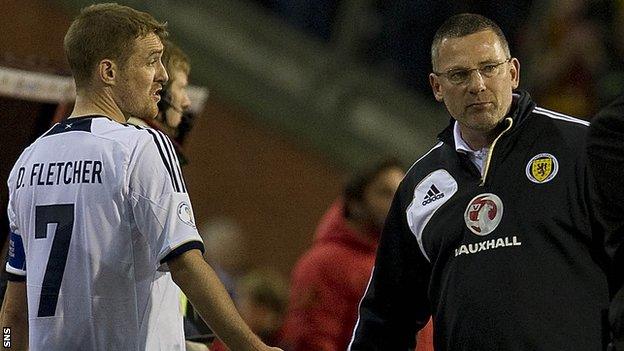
(96,209)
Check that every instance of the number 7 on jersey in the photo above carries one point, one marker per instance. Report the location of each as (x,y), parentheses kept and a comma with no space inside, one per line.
(63,216)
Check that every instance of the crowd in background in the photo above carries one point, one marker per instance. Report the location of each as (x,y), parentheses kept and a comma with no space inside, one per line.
(572,51)
(572,47)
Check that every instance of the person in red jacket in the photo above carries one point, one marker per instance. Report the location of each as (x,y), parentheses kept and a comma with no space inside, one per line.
(329,280)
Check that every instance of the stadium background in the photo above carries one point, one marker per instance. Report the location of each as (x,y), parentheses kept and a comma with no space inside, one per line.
(304,92)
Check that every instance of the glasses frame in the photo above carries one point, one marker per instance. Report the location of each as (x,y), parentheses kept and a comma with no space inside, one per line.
(469,71)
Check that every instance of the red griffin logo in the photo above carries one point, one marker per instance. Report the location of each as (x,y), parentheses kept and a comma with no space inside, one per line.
(483,214)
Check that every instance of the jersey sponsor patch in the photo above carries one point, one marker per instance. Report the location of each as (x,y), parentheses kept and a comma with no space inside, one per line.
(483,213)
(542,168)
(430,194)
(185,214)
(496,243)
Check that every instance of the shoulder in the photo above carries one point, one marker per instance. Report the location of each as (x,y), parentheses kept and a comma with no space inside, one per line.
(560,128)
(154,156)
(111,135)
(317,258)
(152,137)
(609,122)
(137,139)
(559,119)
(322,260)
(438,162)
(606,140)
(428,160)
(128,134)
(612,113)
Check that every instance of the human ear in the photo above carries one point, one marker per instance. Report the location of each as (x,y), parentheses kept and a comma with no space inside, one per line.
(435,86)
(107,72)
(515,72)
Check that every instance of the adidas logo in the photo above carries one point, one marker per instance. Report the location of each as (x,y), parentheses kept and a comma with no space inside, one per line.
(432,195)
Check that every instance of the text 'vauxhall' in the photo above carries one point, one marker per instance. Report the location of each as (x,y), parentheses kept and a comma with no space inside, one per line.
(487,245)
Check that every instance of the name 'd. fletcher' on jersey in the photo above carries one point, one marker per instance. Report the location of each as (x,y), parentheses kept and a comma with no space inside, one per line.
(487,245)
(59,173)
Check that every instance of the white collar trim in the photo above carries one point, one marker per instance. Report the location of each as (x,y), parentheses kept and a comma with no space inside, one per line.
(460,143)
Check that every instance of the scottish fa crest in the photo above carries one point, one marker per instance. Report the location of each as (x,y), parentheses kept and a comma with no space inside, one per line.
(542,168)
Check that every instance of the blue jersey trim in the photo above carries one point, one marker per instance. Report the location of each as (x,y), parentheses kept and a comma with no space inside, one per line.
(17,256)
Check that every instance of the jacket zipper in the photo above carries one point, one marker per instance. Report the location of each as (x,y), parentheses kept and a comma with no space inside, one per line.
(491,151)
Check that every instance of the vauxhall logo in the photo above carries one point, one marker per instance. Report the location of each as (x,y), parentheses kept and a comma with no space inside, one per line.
(432,195)
(483,214)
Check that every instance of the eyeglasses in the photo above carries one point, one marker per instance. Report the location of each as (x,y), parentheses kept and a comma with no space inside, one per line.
(461,76)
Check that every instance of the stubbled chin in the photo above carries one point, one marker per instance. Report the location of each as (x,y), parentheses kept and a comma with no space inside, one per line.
(153,111)
(482,123)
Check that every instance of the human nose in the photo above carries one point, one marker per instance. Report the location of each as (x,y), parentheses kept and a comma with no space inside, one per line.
(186,101)
(476,81)
(161,74)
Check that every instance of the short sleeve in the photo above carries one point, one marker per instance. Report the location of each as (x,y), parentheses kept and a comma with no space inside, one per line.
(160,204)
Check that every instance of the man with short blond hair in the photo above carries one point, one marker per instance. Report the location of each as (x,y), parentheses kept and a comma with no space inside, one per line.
(105,31)
(175,100)
(101,222)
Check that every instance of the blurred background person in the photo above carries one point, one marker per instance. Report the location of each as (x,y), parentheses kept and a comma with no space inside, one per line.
(329,280)
(226,249)
(174,100)
(261,298)
(605,151)
(565,45)
(226,252)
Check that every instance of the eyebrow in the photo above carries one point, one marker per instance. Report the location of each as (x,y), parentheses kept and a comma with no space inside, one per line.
(461,68)
(155,52)
(490,61)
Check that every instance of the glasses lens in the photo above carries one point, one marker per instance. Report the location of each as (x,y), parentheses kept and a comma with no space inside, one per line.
(463,75)
(489,70)
(458,76)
